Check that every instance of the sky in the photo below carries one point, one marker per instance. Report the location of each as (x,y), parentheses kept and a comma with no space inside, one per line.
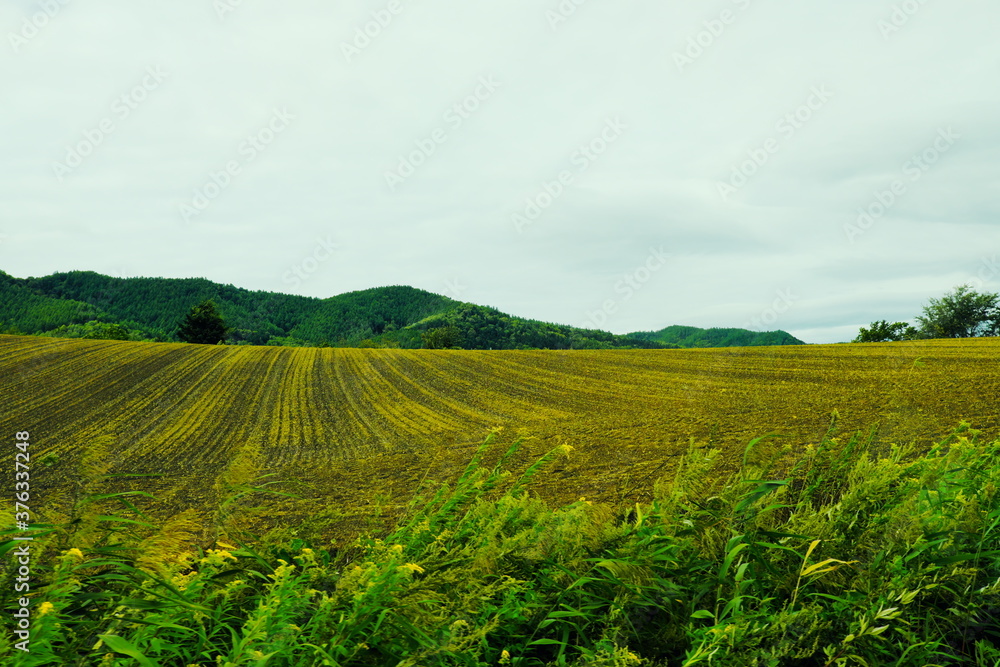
(810,167)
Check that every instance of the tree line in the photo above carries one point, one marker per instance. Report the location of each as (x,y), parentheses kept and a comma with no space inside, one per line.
(961,313)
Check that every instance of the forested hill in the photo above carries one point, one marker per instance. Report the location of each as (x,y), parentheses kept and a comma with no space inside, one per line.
(91,305)
(26,310)
(695,337)
(155,306)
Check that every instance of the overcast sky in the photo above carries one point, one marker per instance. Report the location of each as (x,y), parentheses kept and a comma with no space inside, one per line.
(630,165)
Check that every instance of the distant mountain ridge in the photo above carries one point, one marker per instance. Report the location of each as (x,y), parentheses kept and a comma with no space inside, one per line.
(92,305)
(716,337)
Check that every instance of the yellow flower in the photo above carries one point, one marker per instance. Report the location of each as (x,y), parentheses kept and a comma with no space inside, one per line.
(182,580)
(396,549)
(412,567)
(308,556)
(75,553)
(505,657)
(45,608)
(217,557)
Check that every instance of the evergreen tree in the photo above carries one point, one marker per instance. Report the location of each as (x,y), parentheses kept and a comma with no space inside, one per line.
(203,325)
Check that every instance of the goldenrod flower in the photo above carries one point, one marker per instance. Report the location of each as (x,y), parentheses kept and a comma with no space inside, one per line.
(217,557)
(74,553)
(308,557)
(45,608)
(412,567)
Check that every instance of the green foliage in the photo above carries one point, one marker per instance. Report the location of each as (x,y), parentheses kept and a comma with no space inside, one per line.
(858,555)
(483,328)
(155,305)
(98,331)
(962,313)
(394,316)
(881,331)
(286,341)
(27,312)
(683,336)
(370,314)
(442,338)
(203,325)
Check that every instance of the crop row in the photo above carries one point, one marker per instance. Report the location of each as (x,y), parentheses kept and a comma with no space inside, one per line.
(358,423)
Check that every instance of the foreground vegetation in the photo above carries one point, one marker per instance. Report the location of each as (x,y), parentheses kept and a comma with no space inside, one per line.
(860,555)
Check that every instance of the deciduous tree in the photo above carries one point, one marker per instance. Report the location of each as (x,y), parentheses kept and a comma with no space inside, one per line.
(962,313)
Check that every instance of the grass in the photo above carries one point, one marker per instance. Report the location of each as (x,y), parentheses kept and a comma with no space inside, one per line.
(860,554)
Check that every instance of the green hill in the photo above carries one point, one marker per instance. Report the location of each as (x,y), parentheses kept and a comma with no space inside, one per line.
(154,306)
(91,305)
(22,310)
(694,337)
(371,314)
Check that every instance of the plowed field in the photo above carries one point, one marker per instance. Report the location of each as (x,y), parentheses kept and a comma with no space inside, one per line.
(360,424)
